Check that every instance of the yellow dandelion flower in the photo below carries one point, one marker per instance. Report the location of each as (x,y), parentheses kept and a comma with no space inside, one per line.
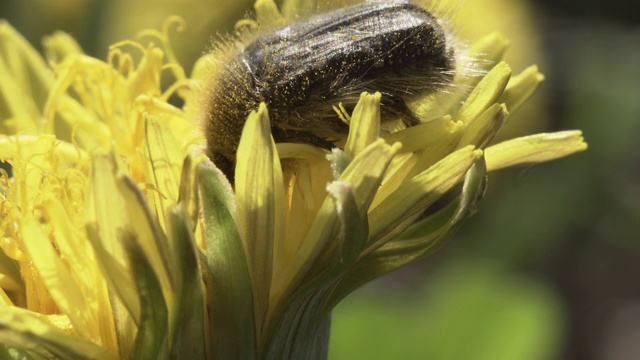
(119,240)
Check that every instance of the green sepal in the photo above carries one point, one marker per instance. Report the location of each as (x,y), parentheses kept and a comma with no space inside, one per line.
(188,192)
(229,293)
(144,224)
(151,340)
(188,315)
(303,329)
(13,353)
(418,240)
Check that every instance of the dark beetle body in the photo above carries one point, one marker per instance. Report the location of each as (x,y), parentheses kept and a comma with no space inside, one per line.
(302,70)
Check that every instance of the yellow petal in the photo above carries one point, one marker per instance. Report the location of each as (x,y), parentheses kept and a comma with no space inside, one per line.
(365,124)
(484,128)
(491,47)
(145,228)
(60,282)
(163,168)
(79,255)
(82,118)
(424,136)
(306,174)
(414,196)
(267,13)
(430,142)
(60,45)
(364,174)
(260,197)
(534,149)
(105,217)
(293,9)
(520,88)
(26,81)
(485,93)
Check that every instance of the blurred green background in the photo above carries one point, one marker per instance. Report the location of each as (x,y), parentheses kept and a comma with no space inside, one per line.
(550,266)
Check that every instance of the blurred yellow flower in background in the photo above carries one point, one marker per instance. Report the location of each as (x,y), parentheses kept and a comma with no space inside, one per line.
(120,240)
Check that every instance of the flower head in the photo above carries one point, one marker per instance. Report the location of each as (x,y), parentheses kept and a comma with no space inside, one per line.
(119,239)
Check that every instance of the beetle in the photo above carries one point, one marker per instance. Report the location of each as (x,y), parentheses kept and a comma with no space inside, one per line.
(305,68)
